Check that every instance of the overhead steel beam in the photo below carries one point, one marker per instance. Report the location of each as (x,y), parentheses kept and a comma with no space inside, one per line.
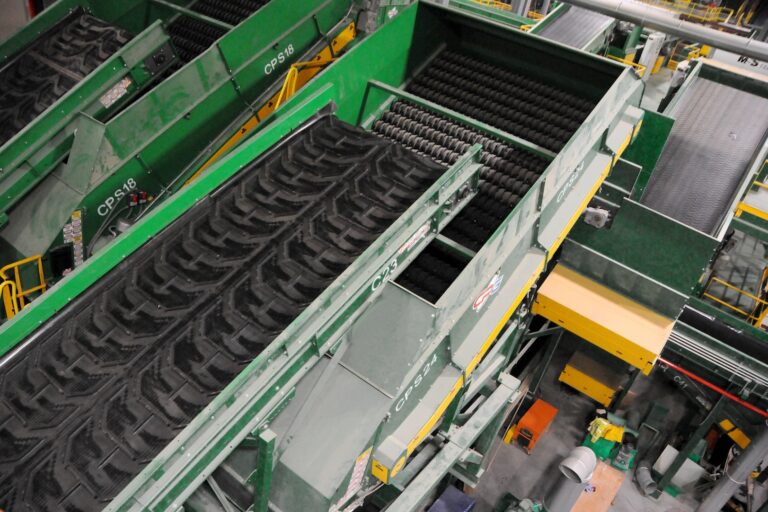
(657,19)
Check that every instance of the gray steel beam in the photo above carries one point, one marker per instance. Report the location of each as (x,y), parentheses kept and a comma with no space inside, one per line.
(657,19)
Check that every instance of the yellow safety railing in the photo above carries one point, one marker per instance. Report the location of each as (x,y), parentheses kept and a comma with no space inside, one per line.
(291,79)
(745,206)
(637,67)
(694,52)
(298,78)
(695,11)
(8,292)
(759,311)
(495,4)
(535,15)
(15,296)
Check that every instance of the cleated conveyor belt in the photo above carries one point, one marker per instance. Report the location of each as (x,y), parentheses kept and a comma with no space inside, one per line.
(717,131)
(101,388)
(576,27)
(191,37)
(56,62)
(507,174)
(525,107)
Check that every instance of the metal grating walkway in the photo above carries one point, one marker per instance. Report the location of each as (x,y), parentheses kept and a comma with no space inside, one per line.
(717,131)
(576,27)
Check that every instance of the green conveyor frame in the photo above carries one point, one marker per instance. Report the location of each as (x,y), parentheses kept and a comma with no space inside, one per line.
(359,86)
(89,165)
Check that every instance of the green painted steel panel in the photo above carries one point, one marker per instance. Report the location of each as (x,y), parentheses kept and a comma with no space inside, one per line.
(652,244)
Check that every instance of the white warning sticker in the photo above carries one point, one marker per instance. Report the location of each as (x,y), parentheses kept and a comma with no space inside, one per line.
(356,481)
(115,93)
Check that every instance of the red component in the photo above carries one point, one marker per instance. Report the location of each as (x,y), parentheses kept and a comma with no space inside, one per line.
(133,200)
(533,424)
(142,197)
(711,386)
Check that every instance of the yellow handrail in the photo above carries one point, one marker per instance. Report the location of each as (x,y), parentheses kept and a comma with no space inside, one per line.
(694,10)
(759,312)
(495,4)
(16,299)
(637,67)
(535,15)
(299,78)
(8,291)
(289,85)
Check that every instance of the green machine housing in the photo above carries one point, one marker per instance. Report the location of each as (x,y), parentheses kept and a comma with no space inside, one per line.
(69,178)
(348,402)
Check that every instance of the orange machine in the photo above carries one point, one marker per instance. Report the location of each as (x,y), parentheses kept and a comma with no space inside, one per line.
(532,425)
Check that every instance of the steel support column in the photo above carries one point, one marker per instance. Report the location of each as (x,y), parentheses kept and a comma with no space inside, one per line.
(689,445)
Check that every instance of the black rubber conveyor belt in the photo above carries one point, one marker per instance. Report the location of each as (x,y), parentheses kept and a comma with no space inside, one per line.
(518,104)
(716,134)
(112,378)
(191,37)
(576,27)
(43,72)
(508,172)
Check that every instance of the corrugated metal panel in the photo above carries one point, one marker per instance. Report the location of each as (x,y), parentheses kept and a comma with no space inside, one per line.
(717,132)
(576,27)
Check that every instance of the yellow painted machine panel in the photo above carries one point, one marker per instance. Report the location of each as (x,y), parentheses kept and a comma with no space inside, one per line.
(591,378)
(607,319)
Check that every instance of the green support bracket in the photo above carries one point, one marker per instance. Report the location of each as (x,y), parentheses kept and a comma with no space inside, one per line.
(193,14)
(552,345)
(461,440)
(221,496)
(455,247)
(264,464)
(485,443)
(633,373)
(689,445)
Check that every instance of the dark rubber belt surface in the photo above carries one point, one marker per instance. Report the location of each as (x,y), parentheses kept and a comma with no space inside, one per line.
(43,72)
(576,27)
(113,377)
(716,133)
(518,104)
(508,172)
(191,37)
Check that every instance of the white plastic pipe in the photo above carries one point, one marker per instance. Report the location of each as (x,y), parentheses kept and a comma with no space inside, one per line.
(579,465)
(663,21)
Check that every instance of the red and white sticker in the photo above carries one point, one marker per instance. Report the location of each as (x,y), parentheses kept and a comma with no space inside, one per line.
(417,236)
(487,292)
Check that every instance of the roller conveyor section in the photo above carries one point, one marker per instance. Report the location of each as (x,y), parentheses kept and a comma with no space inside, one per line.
(576,27)
(431,273)
(716,133)
(527,108)
(192,37)
(43,72)
(507,174)
(102,387)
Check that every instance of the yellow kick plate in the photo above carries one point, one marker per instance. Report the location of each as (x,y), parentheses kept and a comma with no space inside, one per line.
(609,320)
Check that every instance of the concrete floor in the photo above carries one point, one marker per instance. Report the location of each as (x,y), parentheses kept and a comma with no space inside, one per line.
(512,470)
